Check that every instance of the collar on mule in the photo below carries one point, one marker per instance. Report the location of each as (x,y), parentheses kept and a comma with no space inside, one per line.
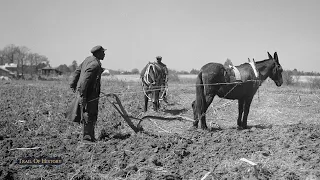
(253,65)
(236,73)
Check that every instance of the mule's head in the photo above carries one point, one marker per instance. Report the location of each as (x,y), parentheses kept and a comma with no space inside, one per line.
(276,70)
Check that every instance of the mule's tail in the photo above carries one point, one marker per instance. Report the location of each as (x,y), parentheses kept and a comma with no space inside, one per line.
(200,98)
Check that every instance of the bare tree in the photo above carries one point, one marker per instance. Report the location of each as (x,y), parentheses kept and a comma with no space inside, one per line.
(15,54)
(36,62)
(32,62)
(21,58)
(2,59)
(73,66)
(64,69)
(9,53)
(135,71)
(194,71)
(27,62)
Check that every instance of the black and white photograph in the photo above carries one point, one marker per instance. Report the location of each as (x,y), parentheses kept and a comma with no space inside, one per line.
(159,90)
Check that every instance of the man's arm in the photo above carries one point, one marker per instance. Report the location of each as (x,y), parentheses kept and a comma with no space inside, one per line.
(166,70)
(75,78)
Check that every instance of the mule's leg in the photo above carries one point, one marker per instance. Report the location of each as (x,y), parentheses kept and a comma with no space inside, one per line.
(247,103)
(240,110)
(209,99)
(199,113)
(156,101)
(146,99)
(195,114)
(156,105)
(201,116)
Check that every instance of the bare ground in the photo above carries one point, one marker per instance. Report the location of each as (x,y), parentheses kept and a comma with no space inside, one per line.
(283,138)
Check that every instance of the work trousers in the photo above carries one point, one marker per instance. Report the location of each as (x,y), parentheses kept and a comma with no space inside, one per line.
(89,116)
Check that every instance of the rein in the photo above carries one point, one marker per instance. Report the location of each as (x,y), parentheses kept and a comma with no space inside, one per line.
(148,83)
(161,97)
(146,75)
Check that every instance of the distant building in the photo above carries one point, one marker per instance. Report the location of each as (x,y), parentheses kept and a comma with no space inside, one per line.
(8,70)
(106,72)
(48,71)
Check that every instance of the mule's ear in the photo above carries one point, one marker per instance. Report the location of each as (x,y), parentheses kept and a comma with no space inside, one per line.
(270,57)
(276,56)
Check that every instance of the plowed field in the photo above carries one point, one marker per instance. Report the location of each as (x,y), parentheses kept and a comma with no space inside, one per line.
(283,138)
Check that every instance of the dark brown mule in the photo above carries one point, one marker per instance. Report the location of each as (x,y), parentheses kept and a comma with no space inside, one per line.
(152,77)
(214,79)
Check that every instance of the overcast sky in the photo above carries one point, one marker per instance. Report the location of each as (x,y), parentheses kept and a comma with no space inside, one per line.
(186,33)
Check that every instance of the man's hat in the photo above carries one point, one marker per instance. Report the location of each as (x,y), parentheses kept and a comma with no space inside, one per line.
(97,48)
(158,57)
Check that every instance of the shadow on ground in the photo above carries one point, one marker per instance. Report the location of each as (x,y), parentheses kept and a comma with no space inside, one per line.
(175,111)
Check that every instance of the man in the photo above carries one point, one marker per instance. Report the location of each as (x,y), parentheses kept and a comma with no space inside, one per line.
(165,71)
(87,81)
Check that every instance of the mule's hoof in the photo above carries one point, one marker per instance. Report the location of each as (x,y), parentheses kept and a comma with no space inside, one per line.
(204,127)
(239,128)
(165,100)
(192,128)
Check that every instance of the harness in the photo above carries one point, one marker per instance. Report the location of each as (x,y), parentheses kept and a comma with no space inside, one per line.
(236,73)
(253,65)
(146,74)
(147,82)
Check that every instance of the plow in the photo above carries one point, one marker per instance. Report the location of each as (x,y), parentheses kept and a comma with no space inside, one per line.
(114,100)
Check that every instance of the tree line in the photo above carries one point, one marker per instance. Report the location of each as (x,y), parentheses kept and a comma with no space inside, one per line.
(27,62)
(65,69)
(30,63)
(295,72)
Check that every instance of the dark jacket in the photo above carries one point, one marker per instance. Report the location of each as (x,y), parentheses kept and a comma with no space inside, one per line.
(87,81)
(87,78)
(163,67)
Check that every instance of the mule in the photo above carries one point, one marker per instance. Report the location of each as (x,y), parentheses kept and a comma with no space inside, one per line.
(215,79)
(152,78)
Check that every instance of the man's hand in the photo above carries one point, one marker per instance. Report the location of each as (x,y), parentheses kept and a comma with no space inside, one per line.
(84,104)
(73,88)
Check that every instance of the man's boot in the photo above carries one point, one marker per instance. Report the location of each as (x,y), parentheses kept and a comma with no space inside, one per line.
(88,130)
(87,133)
(94,121)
